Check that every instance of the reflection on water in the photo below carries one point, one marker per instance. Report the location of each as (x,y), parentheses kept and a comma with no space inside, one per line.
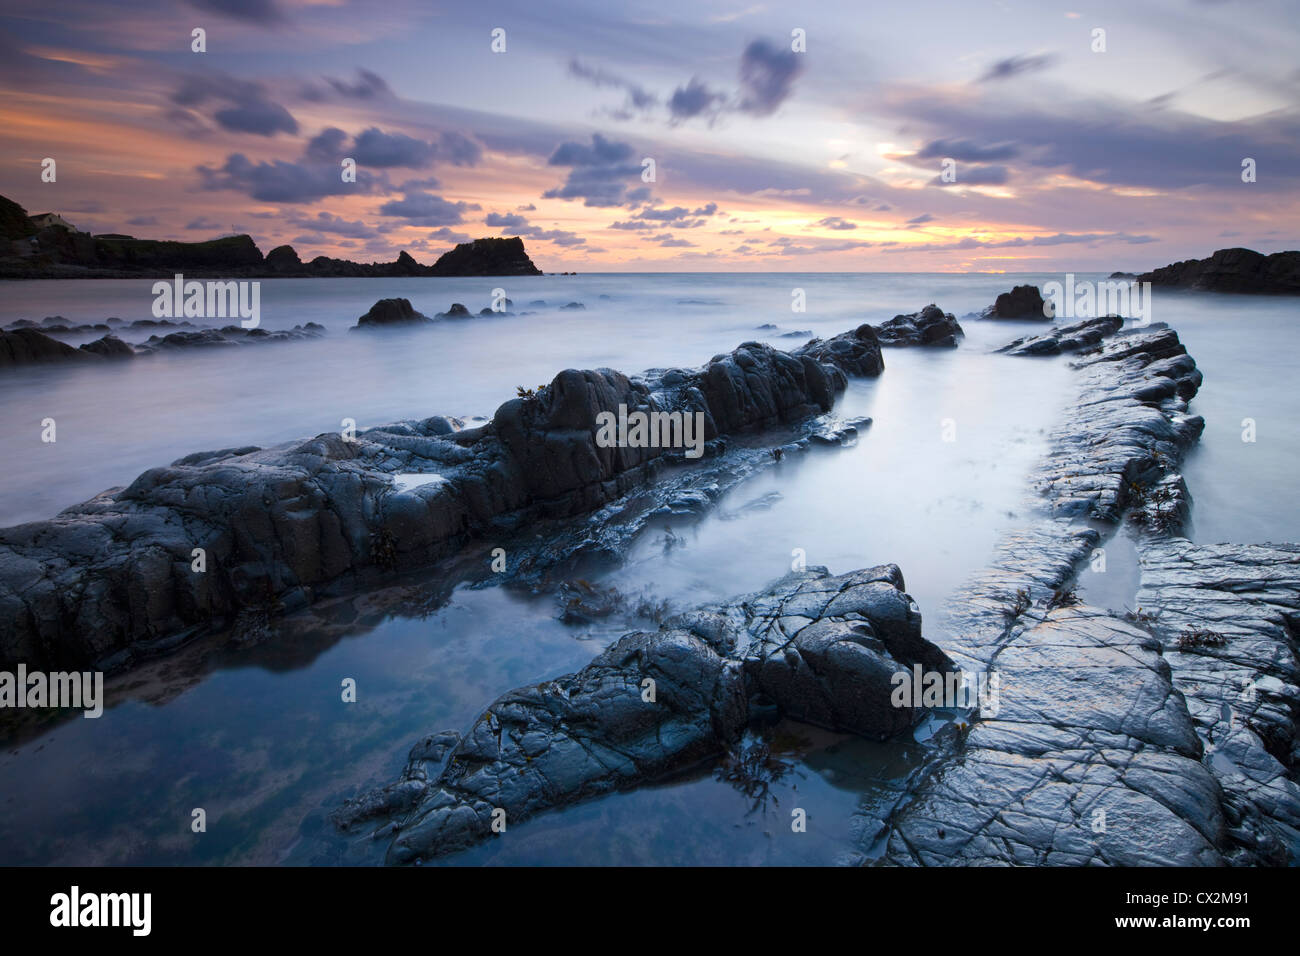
(255,731)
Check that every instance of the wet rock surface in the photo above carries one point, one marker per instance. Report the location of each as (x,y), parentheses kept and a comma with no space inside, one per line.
(818,648)
(929,326)
(114,579)
(1079,337)
(1118,738)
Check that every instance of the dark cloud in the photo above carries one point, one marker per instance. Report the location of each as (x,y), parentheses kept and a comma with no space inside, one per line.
(1015,65)
(1059,239)
(835,222)
(250,109)
(265,12)
(446,235)
(599,173)
(281,181)
(375,148)
(368,86)
(519,226)
(638,98)
(975,176)
(327,145)
(426,209)
(767,75)
(921,219)
(693,99)
(324,222)
(964,150)
(142,221)
(1119,143)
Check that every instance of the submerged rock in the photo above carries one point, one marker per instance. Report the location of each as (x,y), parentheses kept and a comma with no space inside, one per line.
(813,647)
(27,346)
(929,326)
(110,346)
(391,312)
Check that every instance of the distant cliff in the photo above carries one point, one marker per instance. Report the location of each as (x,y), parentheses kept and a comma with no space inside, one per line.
(1233,270)
(31,250)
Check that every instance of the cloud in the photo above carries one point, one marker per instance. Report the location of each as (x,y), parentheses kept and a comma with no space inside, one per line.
(426,209)
(1059,239)
(324,222)
(281,181)
(638,98)
(975,176)
(1015,65)
(767,75)
(446,235)
(964,150)
(693,99)
(368,86)
(377,149)
(920,220)
(250,109)
(513,223)
(835,222)
(599,173)
(142,221)
(265,12)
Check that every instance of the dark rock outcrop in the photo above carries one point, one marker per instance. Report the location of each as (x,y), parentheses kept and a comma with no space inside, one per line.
(27,346)
(929,326)
(1234,270)
(283,259)
(456,311)
(820,649)
(112,578)
(387,312)
(1022,302)
(110,346)
(1066,338)
(486,257)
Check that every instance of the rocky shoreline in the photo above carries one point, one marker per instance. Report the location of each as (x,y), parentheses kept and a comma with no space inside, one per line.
(118,577)
(1113,744)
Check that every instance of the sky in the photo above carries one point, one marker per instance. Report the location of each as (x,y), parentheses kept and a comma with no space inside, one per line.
(804,137)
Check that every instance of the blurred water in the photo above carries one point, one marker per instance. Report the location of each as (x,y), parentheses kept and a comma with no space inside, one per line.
(259,737)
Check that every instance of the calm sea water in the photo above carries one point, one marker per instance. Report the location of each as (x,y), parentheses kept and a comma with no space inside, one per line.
(260,739)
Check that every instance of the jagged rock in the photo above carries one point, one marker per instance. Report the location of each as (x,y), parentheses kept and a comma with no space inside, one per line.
(487,257)
(854,353)
(818,648)
(107,580)
(391,312)
(1066,338)
(110,346)
(1234,270)
(929,326)
(1022,302)
(283,259)
(457,311)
